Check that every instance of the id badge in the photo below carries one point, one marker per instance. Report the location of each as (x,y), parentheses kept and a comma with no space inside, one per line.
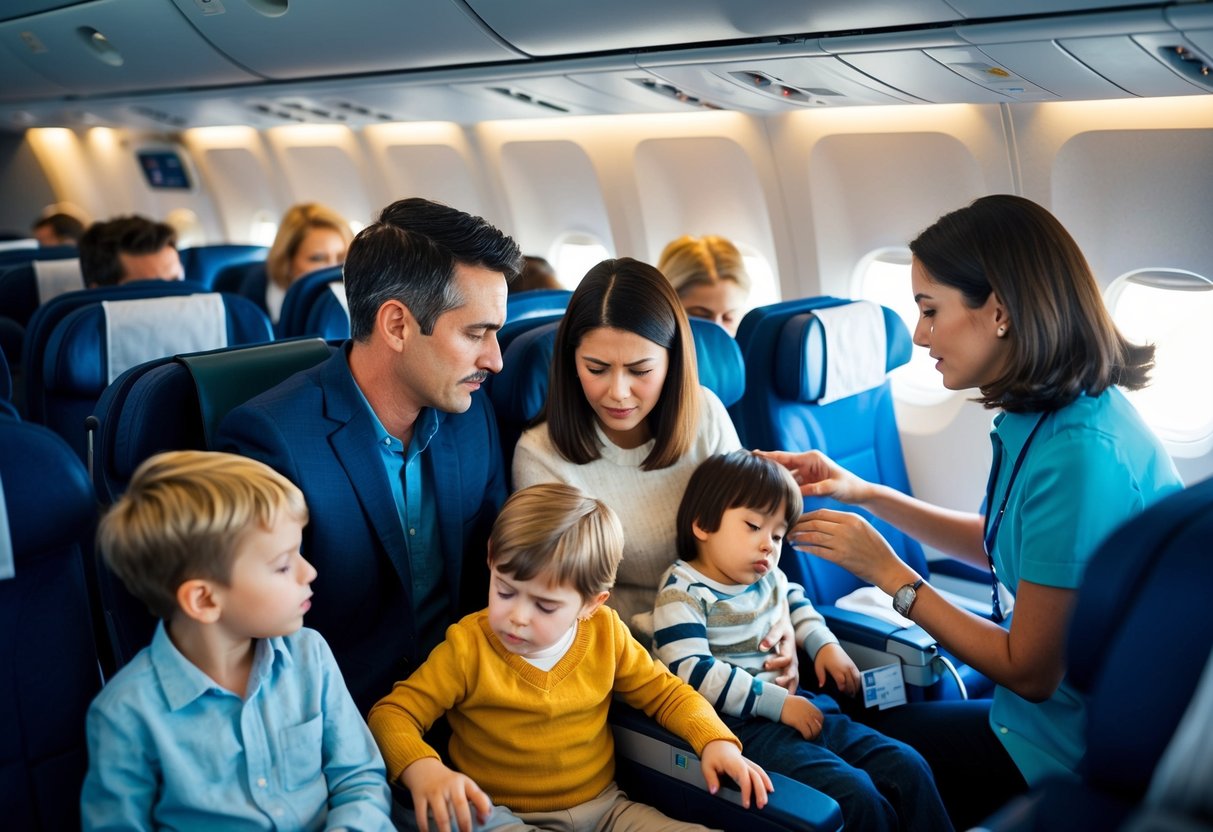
(884,687)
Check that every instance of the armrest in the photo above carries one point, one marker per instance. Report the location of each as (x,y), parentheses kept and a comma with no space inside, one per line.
(658,768)
(871,642)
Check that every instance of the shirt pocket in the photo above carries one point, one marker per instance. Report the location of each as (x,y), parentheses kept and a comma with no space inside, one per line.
(302,753)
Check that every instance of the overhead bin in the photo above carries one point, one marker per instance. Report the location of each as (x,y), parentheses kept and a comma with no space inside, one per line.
(563,27)
(771,79)
(11,9)
(1097,56)
(283,39)
(20,82)
(116,46)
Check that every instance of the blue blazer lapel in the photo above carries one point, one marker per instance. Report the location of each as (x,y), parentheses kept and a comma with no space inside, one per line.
(447,480)
(353,442)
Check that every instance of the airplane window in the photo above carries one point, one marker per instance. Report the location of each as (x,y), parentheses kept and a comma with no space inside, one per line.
(1171,308)
(264,228)
(575,254)
(764,288)
(883,276)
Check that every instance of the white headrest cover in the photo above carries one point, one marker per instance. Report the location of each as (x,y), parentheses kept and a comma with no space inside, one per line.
(855,348)
(57,277)
(140,330)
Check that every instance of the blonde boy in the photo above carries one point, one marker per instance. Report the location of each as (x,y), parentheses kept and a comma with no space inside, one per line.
(526,684)
(234,716)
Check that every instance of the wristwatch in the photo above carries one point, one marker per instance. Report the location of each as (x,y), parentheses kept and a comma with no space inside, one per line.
(905,597)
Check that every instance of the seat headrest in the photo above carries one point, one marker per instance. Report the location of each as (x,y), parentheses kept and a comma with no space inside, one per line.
(47,494)
(800,373)
(721,367)
(521,387)
(80,358)
(536,302)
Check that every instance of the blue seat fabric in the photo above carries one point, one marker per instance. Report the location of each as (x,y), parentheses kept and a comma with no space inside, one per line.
(311,309)
(74,369)
(203,264)
(1142,609)
(48,657)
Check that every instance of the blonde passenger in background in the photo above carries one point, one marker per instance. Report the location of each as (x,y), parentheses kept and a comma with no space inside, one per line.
(310,237)
(709,275)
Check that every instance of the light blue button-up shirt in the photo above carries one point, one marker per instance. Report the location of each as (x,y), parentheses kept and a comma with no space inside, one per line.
(414,496)
(169,748)
(1093,465)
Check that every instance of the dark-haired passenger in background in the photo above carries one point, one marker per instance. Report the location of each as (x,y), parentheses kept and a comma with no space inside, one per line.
(397,458)
(57,229)
(126,249)
(1008,306)
(537,273)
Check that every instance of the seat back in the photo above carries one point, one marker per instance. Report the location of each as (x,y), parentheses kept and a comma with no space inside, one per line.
(315,306)
(83,354)
(785,354)
(19,290)
(48,658)
(47,316)
(536,303)
(203,264)
(1144,594)
(246,279)
(520,389)
(175,404)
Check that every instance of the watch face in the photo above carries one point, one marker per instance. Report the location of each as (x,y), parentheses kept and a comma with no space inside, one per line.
(904,599)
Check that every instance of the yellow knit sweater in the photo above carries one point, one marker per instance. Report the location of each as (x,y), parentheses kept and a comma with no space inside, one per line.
(535,740)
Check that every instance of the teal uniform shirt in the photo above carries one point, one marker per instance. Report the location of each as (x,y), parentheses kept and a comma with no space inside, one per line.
(1092,466)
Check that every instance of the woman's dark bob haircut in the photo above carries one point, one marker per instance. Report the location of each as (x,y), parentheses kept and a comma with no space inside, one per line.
(1062,340)
(633,296)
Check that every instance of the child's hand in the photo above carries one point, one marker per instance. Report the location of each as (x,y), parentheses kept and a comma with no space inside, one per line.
(784,662)
(445,792)
(722,757)
(834,661)
(803,715)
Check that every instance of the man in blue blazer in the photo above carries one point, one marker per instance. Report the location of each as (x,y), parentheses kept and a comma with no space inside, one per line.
(399,461)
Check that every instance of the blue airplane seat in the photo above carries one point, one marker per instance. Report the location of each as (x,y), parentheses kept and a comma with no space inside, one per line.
(6,379)
(520,389)
(246,279)
(24,286)
(315,306)
(88,350)
(1142,611)
(203,264)
(48,657)
(536,303)
(175,403)
(784,346)
(19,256)
(47,316)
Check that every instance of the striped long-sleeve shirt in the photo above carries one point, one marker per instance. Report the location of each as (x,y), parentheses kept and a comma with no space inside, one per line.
(708,634)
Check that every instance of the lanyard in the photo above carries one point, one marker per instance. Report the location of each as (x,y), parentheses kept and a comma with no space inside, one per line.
(994,524)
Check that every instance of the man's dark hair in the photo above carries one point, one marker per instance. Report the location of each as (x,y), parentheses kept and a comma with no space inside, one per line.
(103,241)
(410,255)
(65,226)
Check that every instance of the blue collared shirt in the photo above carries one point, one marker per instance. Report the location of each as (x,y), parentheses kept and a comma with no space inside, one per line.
(171,748)
(1093,465)
(414,496)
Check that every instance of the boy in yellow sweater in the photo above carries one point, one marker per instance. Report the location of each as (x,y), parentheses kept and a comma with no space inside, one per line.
(526,684)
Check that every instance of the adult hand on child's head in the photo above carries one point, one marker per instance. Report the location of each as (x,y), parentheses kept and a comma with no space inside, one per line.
(819,476)
(832,661)
(723,757)
(444,792)
(803,715)
(784,662)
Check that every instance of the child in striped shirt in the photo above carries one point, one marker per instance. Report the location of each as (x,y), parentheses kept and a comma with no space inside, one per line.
(716,603)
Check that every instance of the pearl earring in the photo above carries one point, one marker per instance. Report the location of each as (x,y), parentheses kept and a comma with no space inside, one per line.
(1002,332)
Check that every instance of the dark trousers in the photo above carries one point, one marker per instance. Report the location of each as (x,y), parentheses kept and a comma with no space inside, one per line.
(973,771)
(879,783)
